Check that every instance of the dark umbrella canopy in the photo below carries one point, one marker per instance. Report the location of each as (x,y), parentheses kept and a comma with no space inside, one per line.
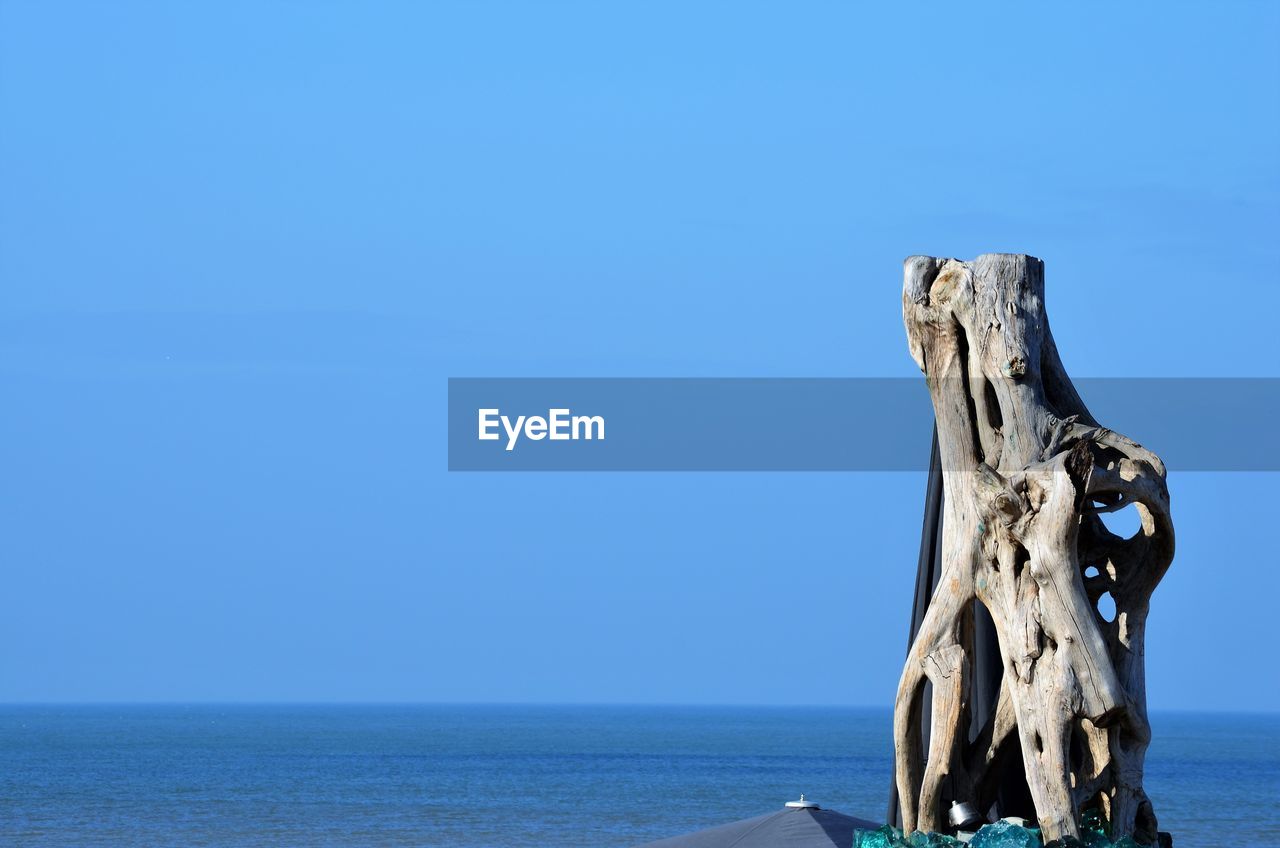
(790,827)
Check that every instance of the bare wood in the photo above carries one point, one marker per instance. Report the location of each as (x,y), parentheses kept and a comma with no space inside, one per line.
(1026,471)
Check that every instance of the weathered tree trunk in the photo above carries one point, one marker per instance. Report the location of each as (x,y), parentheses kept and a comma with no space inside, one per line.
(1026,471)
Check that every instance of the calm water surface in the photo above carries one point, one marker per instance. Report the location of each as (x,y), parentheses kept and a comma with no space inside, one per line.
(517,776)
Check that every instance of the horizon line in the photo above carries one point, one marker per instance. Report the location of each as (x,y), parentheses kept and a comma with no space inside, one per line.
(4,704)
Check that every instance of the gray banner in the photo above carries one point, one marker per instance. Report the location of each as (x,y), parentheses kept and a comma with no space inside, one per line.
(853,424)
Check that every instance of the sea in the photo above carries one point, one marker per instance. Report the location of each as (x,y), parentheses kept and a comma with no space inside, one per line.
(521,776)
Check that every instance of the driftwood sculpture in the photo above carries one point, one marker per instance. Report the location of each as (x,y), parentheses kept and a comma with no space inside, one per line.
(1026,473)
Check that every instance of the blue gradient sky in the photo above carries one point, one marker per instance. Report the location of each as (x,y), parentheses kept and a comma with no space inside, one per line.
(243,245)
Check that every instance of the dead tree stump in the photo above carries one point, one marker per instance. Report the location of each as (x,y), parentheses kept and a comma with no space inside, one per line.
(1026,473)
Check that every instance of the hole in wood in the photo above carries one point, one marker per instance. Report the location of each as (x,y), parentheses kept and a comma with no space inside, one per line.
(1107,607)
(1092,571)
(1021,559)
(994,418)
(1124,523)
(962,349)
(1078,747)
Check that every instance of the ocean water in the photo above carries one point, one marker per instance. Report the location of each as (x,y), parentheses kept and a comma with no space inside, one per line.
(518,776)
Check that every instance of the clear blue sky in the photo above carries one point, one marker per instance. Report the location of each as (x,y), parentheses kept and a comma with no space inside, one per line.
(243,245)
